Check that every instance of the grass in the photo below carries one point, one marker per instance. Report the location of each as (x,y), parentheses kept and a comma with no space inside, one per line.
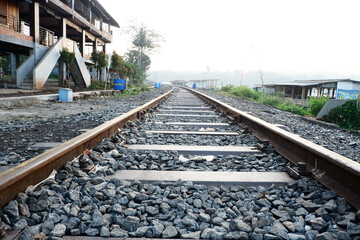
(274,100)
(346,116)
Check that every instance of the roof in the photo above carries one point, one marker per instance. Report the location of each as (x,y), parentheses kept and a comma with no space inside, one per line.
(305,83)
(111,20)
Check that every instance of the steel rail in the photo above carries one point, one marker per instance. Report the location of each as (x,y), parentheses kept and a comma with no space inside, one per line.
(35,170)
(333,170)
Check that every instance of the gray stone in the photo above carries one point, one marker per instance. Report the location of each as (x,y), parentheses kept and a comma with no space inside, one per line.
(217,220)
(12,209)
(271,237)
(203,217)
(59,230)
(152,210)
(28,233)
(24,210)
(47,227)
(197,203)
(310,235)
(130,223)
(92,232)
(117,232)
(310,206)
(169,232)
(20,225)
(353,229)
(104,232)
(318,224)
(117,208)
(74,195)
(327,195)
(192,235)
(75,232)
(97,219)
(140,232)
(325,236)
(239,225)
(278,229)
(293,236)
(158,229)
(283,215)
(237,235)
(255,236)
(207,233)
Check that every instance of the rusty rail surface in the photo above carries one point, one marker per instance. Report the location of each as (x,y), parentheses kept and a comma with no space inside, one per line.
(333,170)
(38,168)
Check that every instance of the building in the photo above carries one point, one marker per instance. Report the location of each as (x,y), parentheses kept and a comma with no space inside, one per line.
(33,32)
(303,89)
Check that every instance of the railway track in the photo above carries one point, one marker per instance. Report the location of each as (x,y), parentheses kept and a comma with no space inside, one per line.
(190,168)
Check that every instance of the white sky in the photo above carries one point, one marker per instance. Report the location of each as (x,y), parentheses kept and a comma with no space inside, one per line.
(226,35)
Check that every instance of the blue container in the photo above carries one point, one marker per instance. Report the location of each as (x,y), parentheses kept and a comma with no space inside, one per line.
(119,84)
(194,85)
(157,85)
(65,95)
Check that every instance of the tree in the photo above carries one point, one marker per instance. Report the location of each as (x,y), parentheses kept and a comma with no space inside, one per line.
(99,59)
(116,61)
(67,57)
(145,41)
(141,60)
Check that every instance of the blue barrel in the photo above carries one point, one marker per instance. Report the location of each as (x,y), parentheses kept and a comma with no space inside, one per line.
(119,84)
(156,85)
(159,84)
(194,85)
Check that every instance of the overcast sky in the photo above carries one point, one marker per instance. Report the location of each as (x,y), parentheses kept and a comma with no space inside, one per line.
(226,35)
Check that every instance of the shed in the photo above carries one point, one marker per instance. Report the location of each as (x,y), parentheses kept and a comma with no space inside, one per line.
(303,89)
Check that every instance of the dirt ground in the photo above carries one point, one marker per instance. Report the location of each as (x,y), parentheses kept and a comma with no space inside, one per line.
(50,109)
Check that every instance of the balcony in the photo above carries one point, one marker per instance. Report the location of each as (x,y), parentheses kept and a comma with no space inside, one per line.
(47,37)
(85,12)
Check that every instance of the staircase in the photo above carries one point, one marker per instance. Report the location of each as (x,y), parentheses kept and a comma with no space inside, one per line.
(34,72)
(78,70)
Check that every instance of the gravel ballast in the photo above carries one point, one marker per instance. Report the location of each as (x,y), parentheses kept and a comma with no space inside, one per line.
(344,142)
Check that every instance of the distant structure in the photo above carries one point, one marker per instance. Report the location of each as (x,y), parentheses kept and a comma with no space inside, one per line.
(303,89)
(200,83)
(33,32)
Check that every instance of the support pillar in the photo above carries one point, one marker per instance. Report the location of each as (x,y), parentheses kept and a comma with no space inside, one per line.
(292,92)
(35,19)
(61,73)
(302,95)
(13,64)
(62,65)
(63,28)
(83,42)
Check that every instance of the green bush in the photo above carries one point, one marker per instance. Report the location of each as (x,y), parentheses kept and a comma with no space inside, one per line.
(227,87)
(271,100)
(100,85)
(346,116)
(316,103)
(245,93)
(289,106)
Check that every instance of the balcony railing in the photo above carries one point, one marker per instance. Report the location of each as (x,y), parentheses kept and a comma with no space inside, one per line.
(47,37)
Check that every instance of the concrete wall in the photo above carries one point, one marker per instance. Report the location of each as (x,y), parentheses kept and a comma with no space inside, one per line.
(24,70)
